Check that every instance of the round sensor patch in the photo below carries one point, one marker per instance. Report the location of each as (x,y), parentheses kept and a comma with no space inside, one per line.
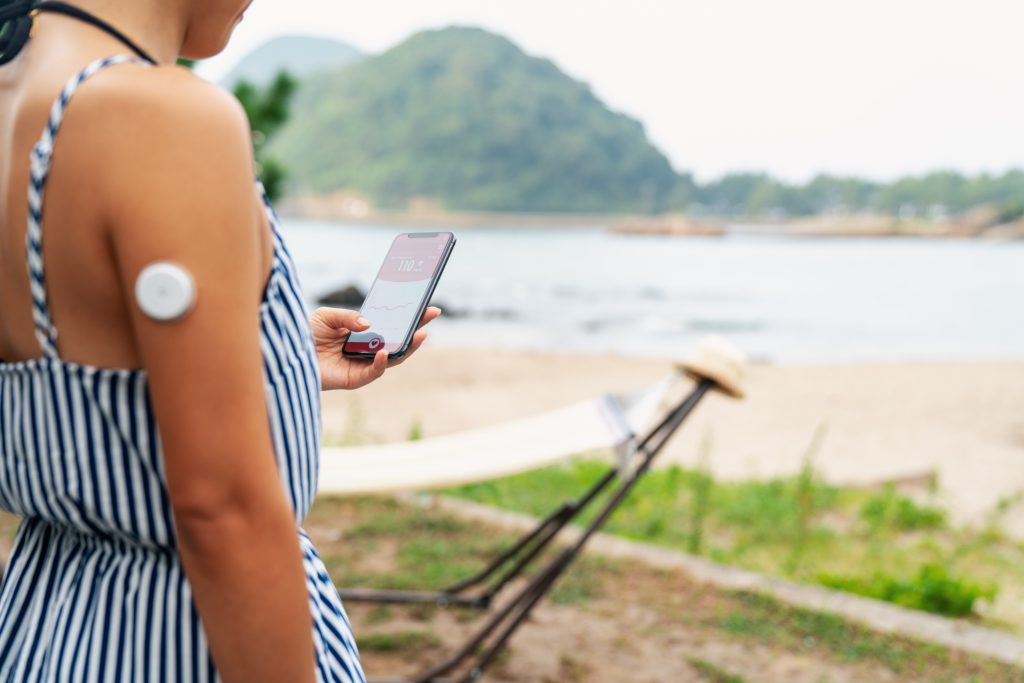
(165,291)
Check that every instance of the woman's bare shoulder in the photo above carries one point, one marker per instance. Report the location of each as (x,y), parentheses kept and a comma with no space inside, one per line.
(137,95)
(131,115)
(160,133)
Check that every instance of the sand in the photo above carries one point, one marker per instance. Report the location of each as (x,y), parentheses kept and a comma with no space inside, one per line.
(961,421)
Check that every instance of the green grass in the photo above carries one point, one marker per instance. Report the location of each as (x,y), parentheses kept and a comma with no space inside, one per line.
(402,641)
(712,673)
(773,623)
(770,621)
(586,581)
(881,543)
(933,589)
(416,430)
(435,550)
(889,510)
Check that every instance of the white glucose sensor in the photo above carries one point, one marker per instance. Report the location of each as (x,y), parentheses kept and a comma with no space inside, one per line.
(165,291)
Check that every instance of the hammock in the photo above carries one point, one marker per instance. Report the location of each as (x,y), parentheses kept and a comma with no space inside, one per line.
(606,422)
(638,426)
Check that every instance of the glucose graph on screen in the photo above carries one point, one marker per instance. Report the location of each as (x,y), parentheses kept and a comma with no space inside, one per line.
(390,308)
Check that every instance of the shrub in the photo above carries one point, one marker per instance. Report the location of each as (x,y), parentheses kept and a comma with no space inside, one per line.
(1011,212)
(933,589)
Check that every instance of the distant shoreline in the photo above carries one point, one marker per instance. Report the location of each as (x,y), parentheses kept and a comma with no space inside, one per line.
(676,225)
(345,210)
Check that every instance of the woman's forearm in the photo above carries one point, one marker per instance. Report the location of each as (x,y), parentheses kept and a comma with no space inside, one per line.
(248,584)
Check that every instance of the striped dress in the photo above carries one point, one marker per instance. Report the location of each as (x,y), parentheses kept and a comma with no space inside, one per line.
(94,590)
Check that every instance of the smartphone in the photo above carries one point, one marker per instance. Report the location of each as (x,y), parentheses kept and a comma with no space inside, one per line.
(400,294)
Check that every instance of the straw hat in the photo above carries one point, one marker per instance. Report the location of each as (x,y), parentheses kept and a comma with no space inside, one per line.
(719,361)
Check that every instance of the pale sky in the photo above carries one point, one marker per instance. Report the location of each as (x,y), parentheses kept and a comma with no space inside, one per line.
(876,88)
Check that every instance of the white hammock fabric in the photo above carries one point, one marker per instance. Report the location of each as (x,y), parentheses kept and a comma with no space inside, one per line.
(608,421)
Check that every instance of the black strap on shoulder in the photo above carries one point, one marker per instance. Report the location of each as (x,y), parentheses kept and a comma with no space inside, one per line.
(82,15)
(16,17)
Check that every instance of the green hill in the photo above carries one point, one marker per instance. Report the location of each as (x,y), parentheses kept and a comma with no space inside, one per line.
(465,117)
(298,55)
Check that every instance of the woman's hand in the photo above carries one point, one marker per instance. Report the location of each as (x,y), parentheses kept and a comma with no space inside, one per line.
(331,327)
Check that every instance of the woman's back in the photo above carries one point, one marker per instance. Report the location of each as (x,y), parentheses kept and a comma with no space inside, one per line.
(96,589)
(85,293)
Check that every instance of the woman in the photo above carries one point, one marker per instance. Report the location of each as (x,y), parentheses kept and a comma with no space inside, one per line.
(161,504)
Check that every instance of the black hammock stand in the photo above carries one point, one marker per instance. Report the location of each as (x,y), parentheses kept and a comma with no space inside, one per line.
(478,591)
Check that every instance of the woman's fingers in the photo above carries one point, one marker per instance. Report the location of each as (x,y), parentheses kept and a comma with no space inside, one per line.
(431,313)
(380,364)
(417,341)
(346,320)
(419,336)
(343,319)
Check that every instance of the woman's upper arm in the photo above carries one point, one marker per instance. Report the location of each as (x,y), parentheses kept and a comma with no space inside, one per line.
(181,188)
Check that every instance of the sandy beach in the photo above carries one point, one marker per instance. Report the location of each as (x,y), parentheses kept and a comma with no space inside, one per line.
(960,421)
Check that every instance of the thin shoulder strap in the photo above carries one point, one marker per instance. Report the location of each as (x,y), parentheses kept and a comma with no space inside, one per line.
(42,158)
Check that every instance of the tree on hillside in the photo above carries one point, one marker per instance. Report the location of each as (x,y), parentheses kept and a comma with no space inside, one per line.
(268,109)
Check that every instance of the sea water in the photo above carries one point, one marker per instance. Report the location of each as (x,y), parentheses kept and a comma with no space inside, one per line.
(781,299)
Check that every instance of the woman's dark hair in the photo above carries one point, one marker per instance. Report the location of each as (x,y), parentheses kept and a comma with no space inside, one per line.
(15,27)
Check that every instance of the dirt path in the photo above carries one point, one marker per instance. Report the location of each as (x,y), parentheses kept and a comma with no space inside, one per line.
(607,621)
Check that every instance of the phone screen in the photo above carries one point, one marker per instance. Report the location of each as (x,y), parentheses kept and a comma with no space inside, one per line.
(398,297)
